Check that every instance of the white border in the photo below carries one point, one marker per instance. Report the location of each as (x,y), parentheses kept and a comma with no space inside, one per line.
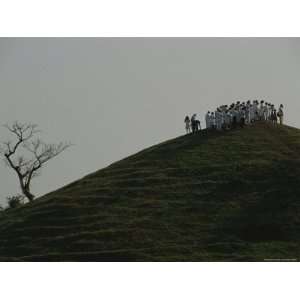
(149,18)
(149,281)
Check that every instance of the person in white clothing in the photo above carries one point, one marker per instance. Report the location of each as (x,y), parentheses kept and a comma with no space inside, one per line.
(270,112)
(251,113)
(187,122)
(280,114)
(261,110)
(223,115)
(265,114)
(247,113)
(218,118)
(207,120)
(228,119)
(241,113)
(254,105)
(212,121)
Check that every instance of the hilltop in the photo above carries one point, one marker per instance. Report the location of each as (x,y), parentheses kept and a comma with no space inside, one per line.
(213,196)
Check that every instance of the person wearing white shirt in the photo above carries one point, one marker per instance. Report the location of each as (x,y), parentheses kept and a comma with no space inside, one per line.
(255,110)
(261,110)
(228,119)
(187,122)
(207,120)
(218,118)
(212,121)
(280,114)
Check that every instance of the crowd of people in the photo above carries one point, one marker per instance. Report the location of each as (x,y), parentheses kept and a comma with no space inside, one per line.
(237,114)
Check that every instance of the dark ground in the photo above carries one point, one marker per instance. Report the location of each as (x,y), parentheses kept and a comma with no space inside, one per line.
(231,196)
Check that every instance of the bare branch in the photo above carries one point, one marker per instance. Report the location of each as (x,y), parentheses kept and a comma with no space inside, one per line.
(28,168)
(42,153)
(23,132)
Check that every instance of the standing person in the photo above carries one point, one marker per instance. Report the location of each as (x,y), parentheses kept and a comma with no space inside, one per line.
(207,120)
(256,114)
(234,118)
(223,114)
(274,117)
(243,117)
(228,119)
(248,114)
(218,117)
(269,111)
(238,115)
(261,110)
(212,121)
(280,114)
(187,122)
(272,113)
(252,114)
(198,125)
(266,112)
(193,121)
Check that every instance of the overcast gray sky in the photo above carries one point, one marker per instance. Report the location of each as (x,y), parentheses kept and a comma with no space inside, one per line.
(112,97)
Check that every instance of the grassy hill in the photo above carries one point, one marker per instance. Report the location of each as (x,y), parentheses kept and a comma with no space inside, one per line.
(231,196)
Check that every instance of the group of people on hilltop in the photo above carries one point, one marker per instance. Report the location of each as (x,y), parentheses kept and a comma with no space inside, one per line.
(237,114)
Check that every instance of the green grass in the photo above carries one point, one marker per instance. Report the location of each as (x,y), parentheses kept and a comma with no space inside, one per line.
(232,196)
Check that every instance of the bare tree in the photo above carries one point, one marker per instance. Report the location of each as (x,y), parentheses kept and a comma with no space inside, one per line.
(37,152)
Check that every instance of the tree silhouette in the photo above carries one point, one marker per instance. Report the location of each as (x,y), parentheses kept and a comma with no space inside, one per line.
(27,166)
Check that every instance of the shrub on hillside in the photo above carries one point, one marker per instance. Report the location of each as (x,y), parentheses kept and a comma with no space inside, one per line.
(15,201)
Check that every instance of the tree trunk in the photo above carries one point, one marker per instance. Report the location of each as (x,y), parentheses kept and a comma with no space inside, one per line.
(26,191)
(28,195)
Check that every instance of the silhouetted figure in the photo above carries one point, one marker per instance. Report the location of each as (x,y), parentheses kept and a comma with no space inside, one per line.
(234,121)
(274,117)
(193,122)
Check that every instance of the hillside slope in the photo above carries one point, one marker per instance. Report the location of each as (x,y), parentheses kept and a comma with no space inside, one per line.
(231,196)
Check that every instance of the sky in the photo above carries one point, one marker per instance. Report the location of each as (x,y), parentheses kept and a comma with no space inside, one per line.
(111,97)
